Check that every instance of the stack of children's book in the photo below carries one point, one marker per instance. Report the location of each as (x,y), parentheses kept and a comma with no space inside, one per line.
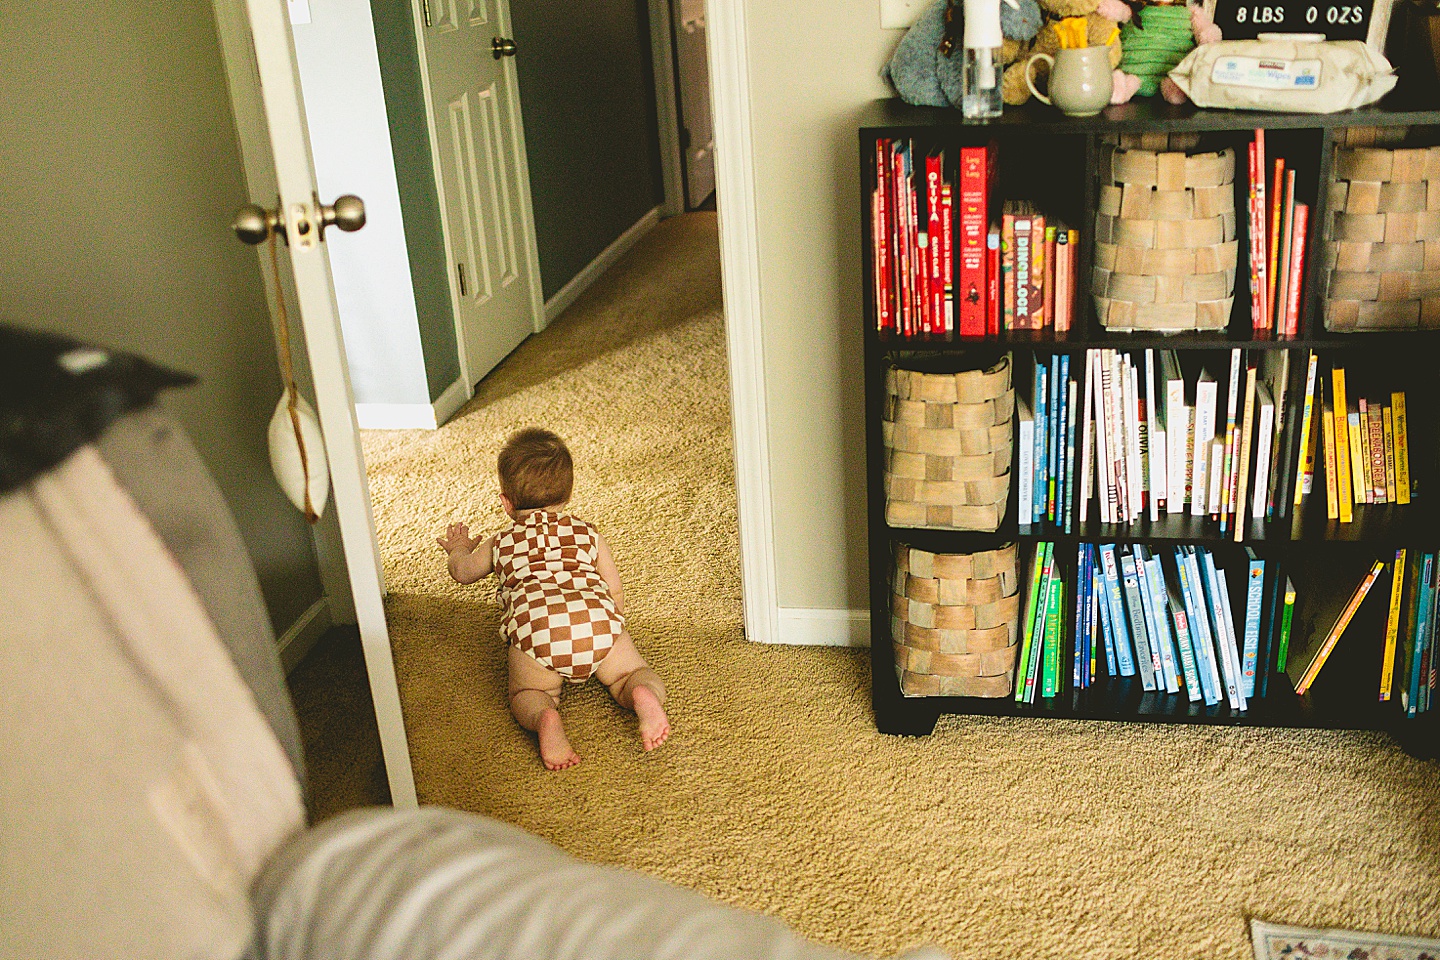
(1132,434)
(1165,616)
(944,264)
(1278,225)
(1409,668)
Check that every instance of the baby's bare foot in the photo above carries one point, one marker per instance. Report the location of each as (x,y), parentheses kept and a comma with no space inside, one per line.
(654,724)
(555,750)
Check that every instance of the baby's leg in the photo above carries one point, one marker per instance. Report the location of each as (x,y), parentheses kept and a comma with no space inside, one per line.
(636,687)
(534,697)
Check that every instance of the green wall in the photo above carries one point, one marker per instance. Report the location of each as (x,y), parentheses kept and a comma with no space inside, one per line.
(588,96)
(424,238)
(119,175)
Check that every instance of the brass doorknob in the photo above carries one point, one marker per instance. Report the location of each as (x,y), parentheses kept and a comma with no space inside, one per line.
(502,47)
(347,213)
(253,223)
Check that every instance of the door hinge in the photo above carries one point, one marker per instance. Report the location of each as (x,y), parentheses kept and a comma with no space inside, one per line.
(425,8)
(460,267)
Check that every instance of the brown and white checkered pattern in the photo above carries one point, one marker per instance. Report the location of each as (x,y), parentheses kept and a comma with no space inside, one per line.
(558,608)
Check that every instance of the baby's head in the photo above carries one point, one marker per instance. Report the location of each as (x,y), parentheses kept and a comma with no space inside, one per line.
(535,470)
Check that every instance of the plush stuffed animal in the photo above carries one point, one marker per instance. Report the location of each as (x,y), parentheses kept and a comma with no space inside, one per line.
(1155,39)
(926,70)
(1101,16)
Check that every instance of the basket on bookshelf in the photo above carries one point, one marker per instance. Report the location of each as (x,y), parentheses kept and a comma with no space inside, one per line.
(955,621)
(948,443)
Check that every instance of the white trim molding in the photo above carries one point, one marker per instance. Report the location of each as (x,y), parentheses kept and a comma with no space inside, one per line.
(413,416)
(297,641)
(824,628)
(740,276)
(581,282)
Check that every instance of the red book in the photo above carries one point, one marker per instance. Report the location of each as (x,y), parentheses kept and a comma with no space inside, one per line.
(1257,297)
(1007,270)
(947,252)
(1297,268)
(1070,295)
(970,282)
(992,282)
(880,238)
(1049,282)
(1273,295)
(934,181)
(1262,212)
(901,224)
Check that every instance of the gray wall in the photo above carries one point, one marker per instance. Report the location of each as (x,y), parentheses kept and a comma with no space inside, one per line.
(588,97)
(410,141)
(119,175)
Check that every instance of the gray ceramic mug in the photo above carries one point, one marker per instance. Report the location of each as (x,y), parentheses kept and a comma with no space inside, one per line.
(1080,80)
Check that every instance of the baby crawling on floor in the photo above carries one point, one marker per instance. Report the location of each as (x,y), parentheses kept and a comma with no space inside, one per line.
(564,610)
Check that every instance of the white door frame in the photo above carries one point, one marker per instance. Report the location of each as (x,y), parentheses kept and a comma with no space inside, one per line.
(740,278)
(264,82)
(667,112)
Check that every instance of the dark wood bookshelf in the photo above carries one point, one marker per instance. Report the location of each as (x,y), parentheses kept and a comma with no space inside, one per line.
(1345,696)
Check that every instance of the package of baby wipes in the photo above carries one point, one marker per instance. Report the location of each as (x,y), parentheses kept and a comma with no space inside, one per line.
(1296,73)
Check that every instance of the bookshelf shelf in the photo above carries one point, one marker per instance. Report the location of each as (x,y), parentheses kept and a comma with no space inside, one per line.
(1319,551)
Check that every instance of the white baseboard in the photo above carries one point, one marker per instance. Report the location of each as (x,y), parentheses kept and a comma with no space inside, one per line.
(823,627)
(412,416)
(581,282)
(300,638)
(451,400)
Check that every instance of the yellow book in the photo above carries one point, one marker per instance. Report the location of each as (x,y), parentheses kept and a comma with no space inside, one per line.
(1317,660)
(1307,450)
(1389,455)
(1247,432)
(1357,429)
(1327,419)
(1392,623)
(1343,481)
(1402,448)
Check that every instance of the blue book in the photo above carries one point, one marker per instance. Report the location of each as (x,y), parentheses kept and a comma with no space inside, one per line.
(1111,570)
(1221,622)
(1151,576)
(1145,662)
(1102,603)
(1426,599)
(1181,618)
(1189,575)
(1062,439)
(1254,598)
(1163,679)
(1071,477)
(1042,446)
(1057,405)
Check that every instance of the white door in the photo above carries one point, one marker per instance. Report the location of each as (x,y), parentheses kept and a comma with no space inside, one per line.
(481,175)
(693,80)
(264,85)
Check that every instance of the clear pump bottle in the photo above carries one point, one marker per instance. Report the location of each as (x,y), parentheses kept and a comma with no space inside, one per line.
(980,77)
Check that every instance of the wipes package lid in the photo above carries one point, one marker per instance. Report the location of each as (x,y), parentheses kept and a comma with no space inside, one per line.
(1295,74)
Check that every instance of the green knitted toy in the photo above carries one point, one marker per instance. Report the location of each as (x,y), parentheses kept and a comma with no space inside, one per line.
(1151,48)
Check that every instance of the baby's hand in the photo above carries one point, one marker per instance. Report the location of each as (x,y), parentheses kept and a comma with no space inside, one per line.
(456,537)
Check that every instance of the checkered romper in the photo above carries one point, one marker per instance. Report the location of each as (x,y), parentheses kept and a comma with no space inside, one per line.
(557,606)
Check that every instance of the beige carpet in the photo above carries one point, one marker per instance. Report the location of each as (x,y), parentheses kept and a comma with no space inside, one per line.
(992,838)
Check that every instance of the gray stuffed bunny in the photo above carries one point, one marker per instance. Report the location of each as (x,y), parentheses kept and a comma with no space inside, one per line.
(928,77)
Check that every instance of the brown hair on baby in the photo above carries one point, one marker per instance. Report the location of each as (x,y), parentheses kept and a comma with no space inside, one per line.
(535,469)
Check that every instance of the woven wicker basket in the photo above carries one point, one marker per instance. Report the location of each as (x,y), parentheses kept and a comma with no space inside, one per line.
(1382,255)
(1165,247)
(955,622)
(948,444)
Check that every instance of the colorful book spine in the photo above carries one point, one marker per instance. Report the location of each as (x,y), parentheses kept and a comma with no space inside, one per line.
(1257,239)
(947,253)
(1426,600)
(1083,581)
(1332,482)
(1110,568)
(1033,602)
(1276,212)
(1183,641)
(1254,595)
(1042,444)
(1146,661)
(1107,629)
(1054,433)
(1188,570)
(1039,318)
(1007,270)
(993,307)
(1286,619)
(1388,417)
(1154,579)
(1025,468)
(973,226)
(1068,509)
(1392,625)
(1342,444)
(1048,276)
(1054,635)
(1247,432)
(1402,447)
(1024,315)
(1296,272)
(1375,450)
(1234,396)
(1305,467)
(1357,432)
